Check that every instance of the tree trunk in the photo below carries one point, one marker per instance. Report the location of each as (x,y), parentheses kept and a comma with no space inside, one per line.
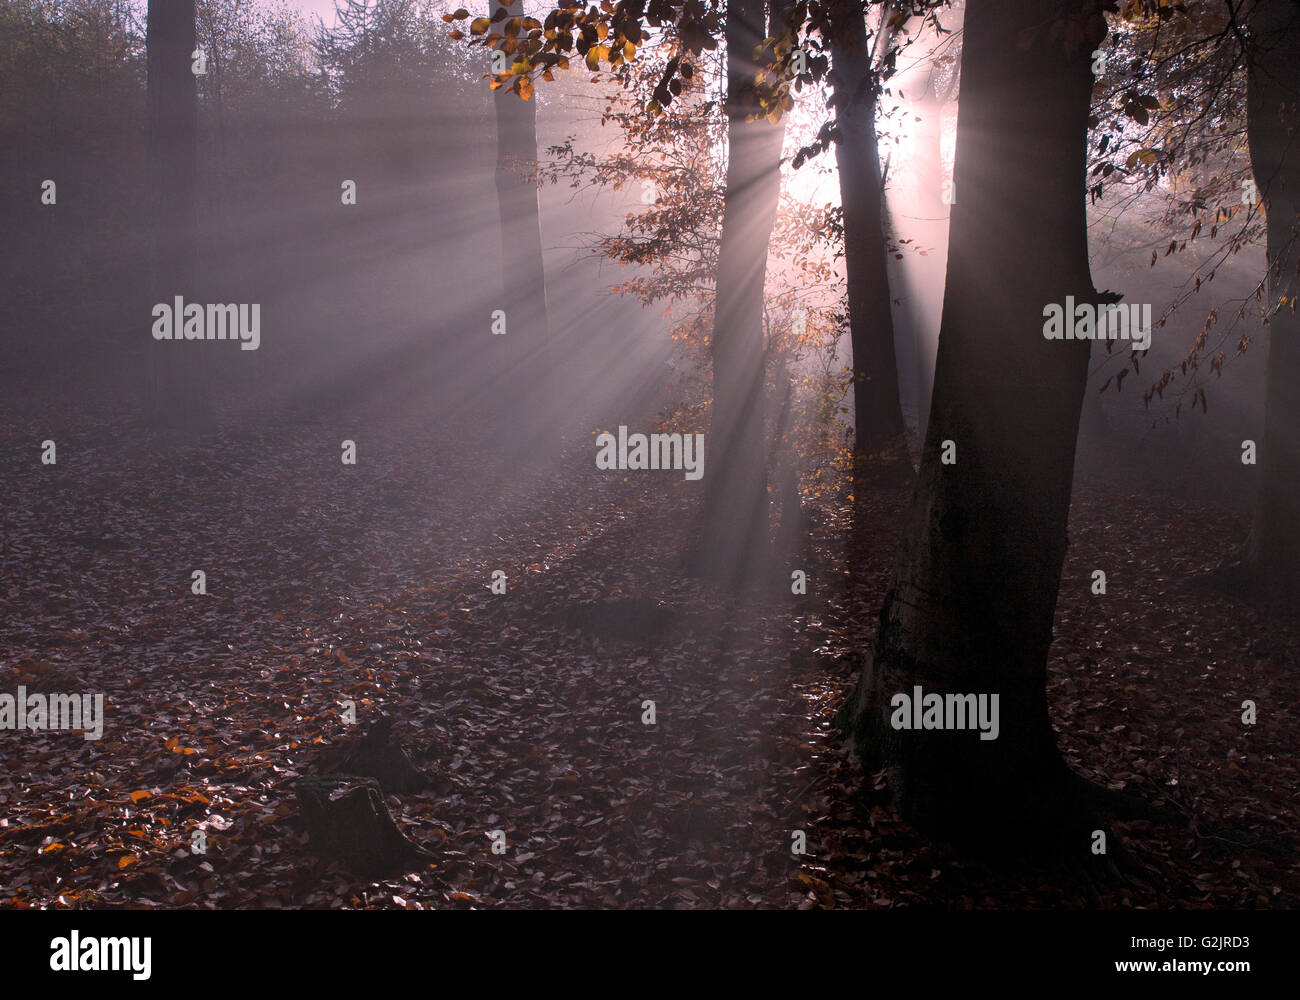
(1270,561)
(973,597)
(179,393)
(879,445)
(734,540)
(526,345)
(932,233)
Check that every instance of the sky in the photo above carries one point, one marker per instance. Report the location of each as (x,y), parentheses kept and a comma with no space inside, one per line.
(323,8)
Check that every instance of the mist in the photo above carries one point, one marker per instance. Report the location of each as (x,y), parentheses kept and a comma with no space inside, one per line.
(647,457)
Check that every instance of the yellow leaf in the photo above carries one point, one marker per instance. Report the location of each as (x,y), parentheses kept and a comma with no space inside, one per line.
(479,25)
(126,860)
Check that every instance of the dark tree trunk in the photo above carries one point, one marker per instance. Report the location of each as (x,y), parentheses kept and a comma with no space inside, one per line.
(526,347)
(734,540)
(973,597)
(879,445)
(1270,561)
(179,391)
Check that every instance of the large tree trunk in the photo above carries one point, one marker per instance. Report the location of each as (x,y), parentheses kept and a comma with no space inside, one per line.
(879,444)
(178,397)
(734,540)
(971,605)
(1270,562)
(526,347)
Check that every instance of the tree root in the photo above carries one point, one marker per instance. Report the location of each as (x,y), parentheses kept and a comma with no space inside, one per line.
(1117,805)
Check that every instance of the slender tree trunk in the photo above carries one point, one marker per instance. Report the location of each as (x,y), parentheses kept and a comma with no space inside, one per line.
(1270,560)
(179,394)
(879,445)
(526,344)
(927,290)
(734,540)
(973,597)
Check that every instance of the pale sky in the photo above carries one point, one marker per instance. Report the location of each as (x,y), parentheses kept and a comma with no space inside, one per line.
(325,8)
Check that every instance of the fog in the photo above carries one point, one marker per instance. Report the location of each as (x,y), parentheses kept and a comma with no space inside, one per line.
(492,431)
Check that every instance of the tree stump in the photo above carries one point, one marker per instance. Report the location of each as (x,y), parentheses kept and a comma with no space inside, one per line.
(346,819)
(379,756)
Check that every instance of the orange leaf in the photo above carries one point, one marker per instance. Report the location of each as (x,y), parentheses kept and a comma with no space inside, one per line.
(140,795)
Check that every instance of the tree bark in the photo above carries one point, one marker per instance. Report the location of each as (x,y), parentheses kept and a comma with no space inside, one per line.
(879,445)
(526,344)
(974,593)
(179,392)
(1270,561)
(734,540)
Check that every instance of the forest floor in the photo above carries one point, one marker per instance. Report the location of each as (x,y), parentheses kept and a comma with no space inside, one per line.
(328,583)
